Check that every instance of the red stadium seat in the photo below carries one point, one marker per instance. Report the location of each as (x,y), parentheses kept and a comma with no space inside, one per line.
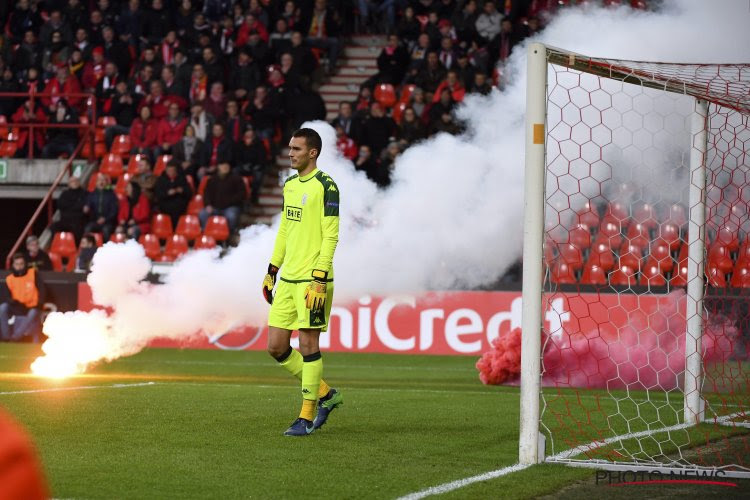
(718,256)
(406,92)
(593,274)
(106,121)
(100,149)
(9,146)
(202,185)
(588,216)
(121,146)
(161,226)
(624,275)
(618,211)
(161,164)
(57,263)
(98,238)
(744,253)
(4,126)
(679,275)
(630,255)
(602,256)
(715,276)
(204,242)
(398,112)
(177,245)
(64,245)
(571,254)
(676,215)
(122,181)
(111,165)
(610,230)
(118,238)
(133,163)
(217,228)
(670,233)
(189,226)
(580,236)
(651,275)
(385,94)
(562,273)
(151,246)
(661,254)
(638,235)
(645,214)
(196,205)
(741,275)
(729,236)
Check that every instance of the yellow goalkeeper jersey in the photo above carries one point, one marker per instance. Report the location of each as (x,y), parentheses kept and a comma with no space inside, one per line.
(309,229)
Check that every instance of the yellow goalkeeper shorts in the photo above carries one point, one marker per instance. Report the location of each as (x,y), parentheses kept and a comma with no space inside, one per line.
(290,312)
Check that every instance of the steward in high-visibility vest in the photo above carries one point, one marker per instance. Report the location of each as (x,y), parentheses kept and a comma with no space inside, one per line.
(25,296)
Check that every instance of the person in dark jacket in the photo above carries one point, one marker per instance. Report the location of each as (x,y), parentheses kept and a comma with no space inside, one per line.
(377,129)
(392,62)
(217,147)
(172,192)
(70,204)
(25,297)
(35,256)
(223,196)
(61,140)
(101,207)
(188,151)
(251,159)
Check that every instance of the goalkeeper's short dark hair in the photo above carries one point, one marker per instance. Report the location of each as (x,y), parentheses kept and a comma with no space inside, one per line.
(312,138)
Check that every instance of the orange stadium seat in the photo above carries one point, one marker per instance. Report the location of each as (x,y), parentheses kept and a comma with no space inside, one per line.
(217,228)
(121,145)
(610,231)
(630,255)
(638,235)
(122,181)
(9,146)
(196,205)
(580,236)
(57,264)
(189,226)
(100,149)
(111,165)
(177,245)
(669,232)
(64,244)
(385,94)
(202,185)
(593,274)
(660,252)
(204,242)
(161,164)
(602,256)
(151,246)
(161,226)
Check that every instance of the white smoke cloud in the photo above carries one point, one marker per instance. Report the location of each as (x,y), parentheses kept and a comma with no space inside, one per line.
(452,217)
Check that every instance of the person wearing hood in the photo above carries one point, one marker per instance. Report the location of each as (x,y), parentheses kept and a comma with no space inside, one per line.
(25,296)
(134,215)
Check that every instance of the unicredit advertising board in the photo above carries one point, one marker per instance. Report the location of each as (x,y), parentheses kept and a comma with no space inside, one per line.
(431,322)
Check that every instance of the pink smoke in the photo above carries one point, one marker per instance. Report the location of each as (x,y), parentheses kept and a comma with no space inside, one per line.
(648,352)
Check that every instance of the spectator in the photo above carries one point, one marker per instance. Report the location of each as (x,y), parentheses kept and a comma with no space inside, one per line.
(183,70)
(235,124)
(464,70)
(251,159)
(82,43)
(503,43)
(156,100)
(55,24)
(453,85)
(62,86)
(302,56)
(377,129)
(8,84)
(488,22)
(408,28)
(216,102)
(382,172)
(27,113)
(323,31)
(157,22)
(93,70)
(291,73)
(198,84)
(410,129)
(447,55)
(115,50)
(86,253)
(280,40)
(183,20)
(431,74)
(345,144)
(392,62)
(107,85)
(292,15)
(29,53)
(123,110)
(26,292)
(188,151)
(464,22)
(481,85)
(446,123)
(61,140)
(145,178)
(170,130)
(212,66)
(258,48)
(23,19)
(345,120)
(75,13)
(443,105)
(364,161)
(418,54)
(201,121)
(143,133)
(70,204)
(36,258)
(129,23)
(224,195)
(214,10)
(56,52)
(245,74)
(262,114)
(216,149)
(172,85)
(362,104)
(101,208)
(172,192)
(134,214)
(304,105)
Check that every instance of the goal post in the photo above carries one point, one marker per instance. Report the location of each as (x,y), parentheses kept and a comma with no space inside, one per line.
(637,242)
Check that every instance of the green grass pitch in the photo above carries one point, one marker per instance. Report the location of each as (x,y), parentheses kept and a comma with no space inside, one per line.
(208,424)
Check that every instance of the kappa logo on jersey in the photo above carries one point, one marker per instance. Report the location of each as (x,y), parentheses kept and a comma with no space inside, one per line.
(293,213)
(332,187)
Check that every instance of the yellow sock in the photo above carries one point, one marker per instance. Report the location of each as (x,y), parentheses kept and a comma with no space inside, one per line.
(323,389)
(292,362)
(308,409)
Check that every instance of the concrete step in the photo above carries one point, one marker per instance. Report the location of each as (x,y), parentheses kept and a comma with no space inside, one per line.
(270,200)
(367,40)
(270,210)
(338,97)
(358,51)
(338,88)
(355,80)
(359,71)
(359,61)
(263,219)
(331,115)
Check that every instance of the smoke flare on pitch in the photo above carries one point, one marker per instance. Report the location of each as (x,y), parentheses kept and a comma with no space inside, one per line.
(452,217)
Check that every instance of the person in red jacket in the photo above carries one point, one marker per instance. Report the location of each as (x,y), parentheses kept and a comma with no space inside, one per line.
(170,130)
(29,113)
(156,100)
(134,216)
(452,83)
(93,70)
(143,133)
(63,84)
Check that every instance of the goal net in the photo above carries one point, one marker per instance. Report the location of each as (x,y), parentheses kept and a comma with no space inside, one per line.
(637,208)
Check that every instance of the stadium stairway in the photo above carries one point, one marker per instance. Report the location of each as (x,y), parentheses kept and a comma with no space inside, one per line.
(357,63)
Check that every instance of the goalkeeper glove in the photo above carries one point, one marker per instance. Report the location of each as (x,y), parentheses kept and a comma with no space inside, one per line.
(315,293)
(268,283)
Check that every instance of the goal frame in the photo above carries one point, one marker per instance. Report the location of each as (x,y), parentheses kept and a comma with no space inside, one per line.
(531,445)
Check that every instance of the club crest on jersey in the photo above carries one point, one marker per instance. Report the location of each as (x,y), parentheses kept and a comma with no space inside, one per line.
(304,199)
(293,213)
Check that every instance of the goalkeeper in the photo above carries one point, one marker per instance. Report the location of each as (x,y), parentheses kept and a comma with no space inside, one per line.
(305,244)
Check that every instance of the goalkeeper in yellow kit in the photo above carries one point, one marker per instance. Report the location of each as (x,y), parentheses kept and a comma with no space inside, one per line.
(304,248)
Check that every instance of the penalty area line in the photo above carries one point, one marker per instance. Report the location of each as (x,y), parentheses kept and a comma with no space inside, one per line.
(79,388)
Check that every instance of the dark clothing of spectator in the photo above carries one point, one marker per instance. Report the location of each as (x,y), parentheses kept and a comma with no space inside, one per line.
(411,132)
(215,151)
(392,64)
(22,20)
(70,204)
(103,206)
(176,88)
(304,59)
(172,196)
(9,104)
(252,160)
(408,29)
(235,127)
(263,117)
(117,52)
(147,183)
(40,261)
(61,140)
(376,133)
(28,55)
(187,153)
(156,24)
(429,78)
(245,76)
(123,108)
(216,108)
(305,105)
(224,194)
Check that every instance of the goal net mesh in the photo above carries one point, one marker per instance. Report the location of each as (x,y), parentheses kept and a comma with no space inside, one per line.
(617,212)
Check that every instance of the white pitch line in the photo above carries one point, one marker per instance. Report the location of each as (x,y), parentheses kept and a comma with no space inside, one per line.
(460,483)
(79,388)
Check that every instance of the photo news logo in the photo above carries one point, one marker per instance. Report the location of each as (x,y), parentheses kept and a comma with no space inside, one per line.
(644,477)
